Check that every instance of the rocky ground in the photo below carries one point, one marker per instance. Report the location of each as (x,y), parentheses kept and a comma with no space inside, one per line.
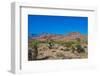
(58,52)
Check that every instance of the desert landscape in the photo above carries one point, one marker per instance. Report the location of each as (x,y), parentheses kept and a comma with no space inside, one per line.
(46,46)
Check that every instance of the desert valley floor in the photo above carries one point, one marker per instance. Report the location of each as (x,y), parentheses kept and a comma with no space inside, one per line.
(53,46)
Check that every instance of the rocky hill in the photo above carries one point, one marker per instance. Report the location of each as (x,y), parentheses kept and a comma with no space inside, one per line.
(70,36)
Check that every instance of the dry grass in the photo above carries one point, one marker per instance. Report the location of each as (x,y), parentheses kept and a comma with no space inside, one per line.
(58,53)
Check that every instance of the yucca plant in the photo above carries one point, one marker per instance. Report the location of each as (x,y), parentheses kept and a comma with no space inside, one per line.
(51,43)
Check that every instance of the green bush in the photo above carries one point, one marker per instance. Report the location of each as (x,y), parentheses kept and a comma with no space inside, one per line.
(80,48)
(35,43)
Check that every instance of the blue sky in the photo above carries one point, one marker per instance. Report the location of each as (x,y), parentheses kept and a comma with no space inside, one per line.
(57,24)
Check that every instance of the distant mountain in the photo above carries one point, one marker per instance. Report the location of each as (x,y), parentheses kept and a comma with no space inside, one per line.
(44,36)
(38,35)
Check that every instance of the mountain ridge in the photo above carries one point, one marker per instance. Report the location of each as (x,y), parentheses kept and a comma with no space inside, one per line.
(70,36)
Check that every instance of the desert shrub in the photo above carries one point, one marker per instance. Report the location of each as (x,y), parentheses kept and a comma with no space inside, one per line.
(31,54)
(73,48)
(85,40)
(67,49)
(50,43)
(85,46)
(69,44)
(80,49)
(60,42)
(35,45)
(78,40)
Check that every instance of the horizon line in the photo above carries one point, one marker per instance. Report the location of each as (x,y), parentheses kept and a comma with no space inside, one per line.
(58,33)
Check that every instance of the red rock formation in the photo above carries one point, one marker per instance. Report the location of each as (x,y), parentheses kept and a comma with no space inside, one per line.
(70,36)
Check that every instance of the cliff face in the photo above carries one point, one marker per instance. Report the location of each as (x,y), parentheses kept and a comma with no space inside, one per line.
(74,35)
